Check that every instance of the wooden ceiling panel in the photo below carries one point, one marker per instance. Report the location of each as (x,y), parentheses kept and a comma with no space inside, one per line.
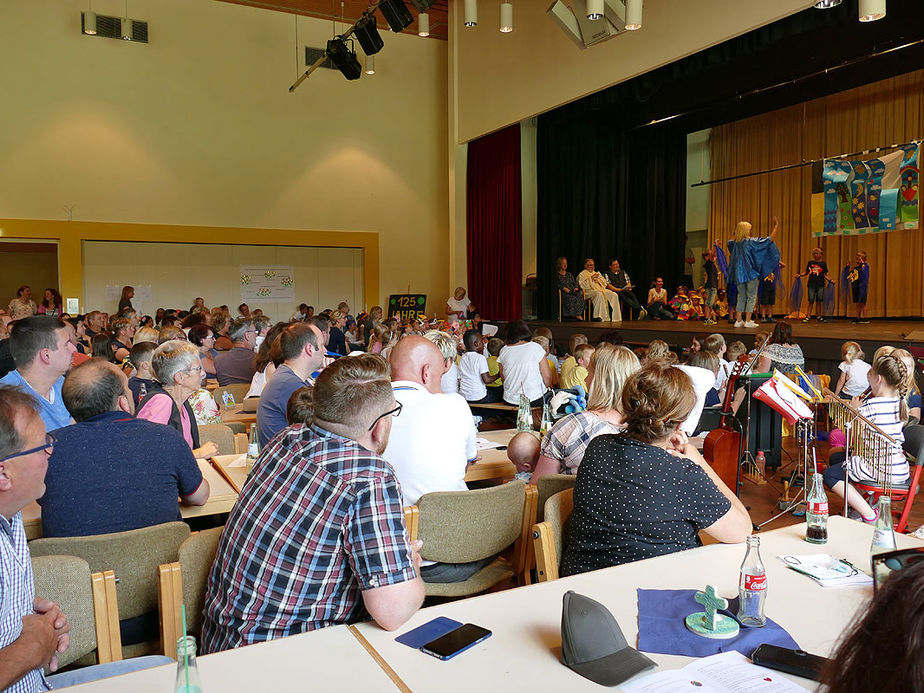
(352,10)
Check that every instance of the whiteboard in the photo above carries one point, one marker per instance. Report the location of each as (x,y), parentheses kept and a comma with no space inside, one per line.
(179,272)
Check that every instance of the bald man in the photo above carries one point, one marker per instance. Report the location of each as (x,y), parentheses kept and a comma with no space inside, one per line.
(523,451)
(98,492)
(432,441)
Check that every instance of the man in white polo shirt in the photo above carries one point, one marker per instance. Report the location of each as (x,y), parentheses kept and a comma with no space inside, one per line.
(433,440)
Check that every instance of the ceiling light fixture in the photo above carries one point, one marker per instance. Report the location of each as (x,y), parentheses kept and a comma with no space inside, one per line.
(471,12)
(633,15)
(89,23)
(827,4)
(370,64)
(506,17)
(871,10)
(595,10)
(423,24)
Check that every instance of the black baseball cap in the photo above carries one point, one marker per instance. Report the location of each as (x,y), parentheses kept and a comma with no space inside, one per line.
(592,643)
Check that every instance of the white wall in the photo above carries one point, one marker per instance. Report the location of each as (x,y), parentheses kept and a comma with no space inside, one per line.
(179,272)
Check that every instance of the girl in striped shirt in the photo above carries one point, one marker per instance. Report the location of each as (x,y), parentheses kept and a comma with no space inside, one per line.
(887,409)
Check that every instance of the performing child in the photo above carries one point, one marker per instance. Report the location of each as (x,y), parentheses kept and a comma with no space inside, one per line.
(859,285)
(817,272)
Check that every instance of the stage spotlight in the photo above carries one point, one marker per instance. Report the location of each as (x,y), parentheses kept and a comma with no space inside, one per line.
(423,24)
(422,5)
(127,30)
(871,10)
(368,35)
(344,58)
(506,17)
(633,15)
(594,10)
(396,14)
(471,12)
(827,4)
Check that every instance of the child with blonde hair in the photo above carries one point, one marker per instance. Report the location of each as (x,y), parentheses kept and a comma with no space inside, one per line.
(495,344)
(578,375)
(658,349)
(852,381)
(570,362)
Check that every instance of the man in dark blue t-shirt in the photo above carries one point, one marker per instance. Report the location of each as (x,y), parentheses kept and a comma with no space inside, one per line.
(302,347)
(110,472)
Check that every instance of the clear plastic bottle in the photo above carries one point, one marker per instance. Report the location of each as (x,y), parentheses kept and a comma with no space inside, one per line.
(187,678)
(883,534)
(816,513)
(752,587)
(524,415)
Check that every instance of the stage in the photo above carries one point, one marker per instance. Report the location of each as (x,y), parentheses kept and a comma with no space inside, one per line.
(820,342)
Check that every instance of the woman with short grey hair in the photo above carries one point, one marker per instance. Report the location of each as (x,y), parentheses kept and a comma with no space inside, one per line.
(178,372)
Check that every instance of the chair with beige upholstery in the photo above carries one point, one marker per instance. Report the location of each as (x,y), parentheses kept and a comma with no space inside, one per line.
(89,600)
(549,536)
(548,486)
(183,582)
(133,556)
(238,391)
(468,526)
(227,440)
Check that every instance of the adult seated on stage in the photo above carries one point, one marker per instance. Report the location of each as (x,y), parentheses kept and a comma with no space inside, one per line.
(883,644)
(239,364)
(563,448)
(523,366)
(332,545)
(300,346)
(657,301)
(179,374)
(594,285)
(572,297)
(459,307)
(648,492)
(33,631)
(135,473)
(618,280)
(42,349)
(782,353)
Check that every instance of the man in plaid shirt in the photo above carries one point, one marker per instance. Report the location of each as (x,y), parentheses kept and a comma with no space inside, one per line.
(317,536)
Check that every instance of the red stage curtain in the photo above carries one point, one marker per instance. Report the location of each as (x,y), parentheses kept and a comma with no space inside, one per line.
(494,225)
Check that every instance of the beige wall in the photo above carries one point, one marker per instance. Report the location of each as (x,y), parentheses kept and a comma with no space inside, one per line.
(506,78)
(197,129)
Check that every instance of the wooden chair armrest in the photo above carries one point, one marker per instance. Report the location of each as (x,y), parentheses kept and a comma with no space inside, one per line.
(523,553)
(106,612)
(412,521)
(170,601)
(544,548)
(240,443)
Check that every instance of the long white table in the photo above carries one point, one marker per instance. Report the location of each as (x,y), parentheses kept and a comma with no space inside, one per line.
(323,660)
(523,652)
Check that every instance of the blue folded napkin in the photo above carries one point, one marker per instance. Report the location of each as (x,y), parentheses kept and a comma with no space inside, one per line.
(661,629)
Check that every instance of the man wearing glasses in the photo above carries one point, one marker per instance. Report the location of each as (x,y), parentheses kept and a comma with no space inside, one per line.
(42,349)
(317,534)
(433,442)
(239,364)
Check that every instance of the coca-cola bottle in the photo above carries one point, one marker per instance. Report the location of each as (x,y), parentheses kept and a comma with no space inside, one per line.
(752,587)
(816,514)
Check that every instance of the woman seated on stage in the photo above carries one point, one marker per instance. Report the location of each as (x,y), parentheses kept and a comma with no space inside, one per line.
(886,409)
(563,448)
(782,353)
(648,491)
(657,301)
(572,297)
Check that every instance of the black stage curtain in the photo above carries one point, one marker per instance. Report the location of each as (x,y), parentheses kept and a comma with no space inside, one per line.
(606,191)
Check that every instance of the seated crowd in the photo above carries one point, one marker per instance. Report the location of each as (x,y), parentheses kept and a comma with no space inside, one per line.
(357,418)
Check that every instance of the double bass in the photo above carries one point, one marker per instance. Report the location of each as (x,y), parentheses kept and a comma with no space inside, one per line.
(722,446)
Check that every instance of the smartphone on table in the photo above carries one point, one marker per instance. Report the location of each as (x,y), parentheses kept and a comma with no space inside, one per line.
(455,641)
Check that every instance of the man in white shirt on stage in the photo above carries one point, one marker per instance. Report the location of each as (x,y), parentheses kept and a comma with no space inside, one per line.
(594,285)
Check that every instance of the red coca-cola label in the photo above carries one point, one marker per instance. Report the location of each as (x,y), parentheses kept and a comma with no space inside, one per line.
(755,582)
(818,508)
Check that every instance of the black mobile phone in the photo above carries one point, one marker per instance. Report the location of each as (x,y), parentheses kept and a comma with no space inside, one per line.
(798,662)
(456,641)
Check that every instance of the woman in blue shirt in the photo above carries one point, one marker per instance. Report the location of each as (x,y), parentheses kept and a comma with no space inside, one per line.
(751,259)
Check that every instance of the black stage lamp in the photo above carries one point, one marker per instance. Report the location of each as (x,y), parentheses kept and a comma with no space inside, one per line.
(368,35)
(396,14)
(422,5)
(344,58)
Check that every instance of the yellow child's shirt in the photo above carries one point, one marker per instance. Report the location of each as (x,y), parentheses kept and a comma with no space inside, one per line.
(494,369)
(575,375)
(567,366)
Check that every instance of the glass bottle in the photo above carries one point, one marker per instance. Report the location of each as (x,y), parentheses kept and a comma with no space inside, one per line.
(187,677)
(883,534)
(546,424)
(253,447)
(524,415)
(752,587)
(816,514)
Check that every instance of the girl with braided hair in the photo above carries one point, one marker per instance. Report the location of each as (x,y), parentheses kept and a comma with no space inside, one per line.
(888,382)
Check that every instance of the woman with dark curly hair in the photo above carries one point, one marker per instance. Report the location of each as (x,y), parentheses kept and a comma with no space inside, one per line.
(648,491)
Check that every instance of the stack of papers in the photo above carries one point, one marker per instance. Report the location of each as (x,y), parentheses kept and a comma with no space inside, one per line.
(827,570)
(729,672)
